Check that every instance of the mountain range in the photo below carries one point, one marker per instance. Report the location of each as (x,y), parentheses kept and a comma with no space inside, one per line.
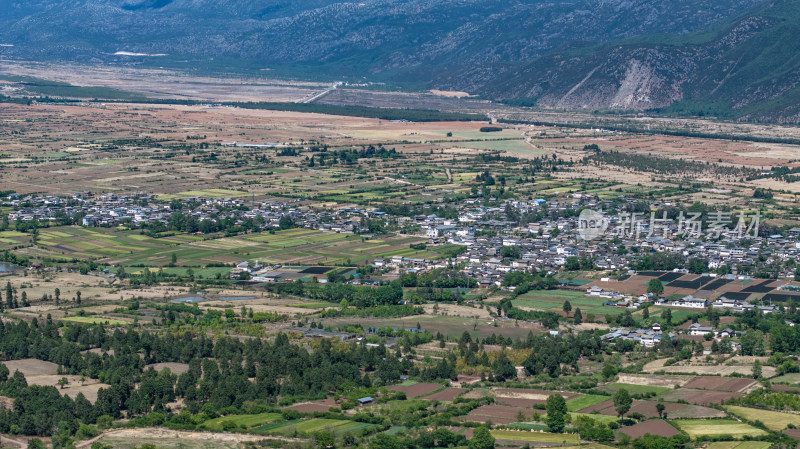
(729,58)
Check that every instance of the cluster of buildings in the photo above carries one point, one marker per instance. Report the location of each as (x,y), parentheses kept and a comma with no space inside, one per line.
(518,235)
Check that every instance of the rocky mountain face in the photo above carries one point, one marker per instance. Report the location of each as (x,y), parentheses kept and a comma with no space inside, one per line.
(707,56)
(746,69)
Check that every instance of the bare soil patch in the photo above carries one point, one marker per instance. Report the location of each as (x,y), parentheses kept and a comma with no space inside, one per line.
(416,390)
(174,367)
(523,393)
(700,397)
(721,383)
(448,394)
(669,381)
(653,427)
(315,406)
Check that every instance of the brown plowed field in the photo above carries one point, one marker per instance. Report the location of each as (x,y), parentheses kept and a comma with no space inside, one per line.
(416,390)
(498,411)
(518,402)
(701,397)
(448,394)
(720,383)
(653,427)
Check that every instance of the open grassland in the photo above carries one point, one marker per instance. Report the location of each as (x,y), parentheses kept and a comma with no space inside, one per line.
(240,421)
(773,420)
(717,427)
(540,437)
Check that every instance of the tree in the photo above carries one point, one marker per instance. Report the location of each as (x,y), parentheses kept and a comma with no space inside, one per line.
(481,439)
(556,408)
(36,444)
(503,368)
(609,370)
(656,287)
(173,259)
(567,307)
(578,317)
(572,263)
(61,382)
(666,317)
(324,439)
(622,401)
(660,409)
(384,441)
(756,369)
(697,265)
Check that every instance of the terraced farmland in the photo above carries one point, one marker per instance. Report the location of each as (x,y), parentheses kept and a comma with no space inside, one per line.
(131,248)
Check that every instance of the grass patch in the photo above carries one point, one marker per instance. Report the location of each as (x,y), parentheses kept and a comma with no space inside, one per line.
(717,427)
(773,420)
(313,305)
(586,400)
(605,419)
(240,421)
(310,426)
(542,437)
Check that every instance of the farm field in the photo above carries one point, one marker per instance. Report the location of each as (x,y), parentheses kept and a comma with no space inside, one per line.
(773,420)
(94,320)
(541,437)
(641,389)
(448,394)
(133,250)
(740,445)
(553,300)
(417,389)
(584,401)
(717,427)
(308,427)
(240,421)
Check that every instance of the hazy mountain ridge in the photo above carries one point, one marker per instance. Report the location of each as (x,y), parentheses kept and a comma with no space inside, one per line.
(749,69)
(597,54)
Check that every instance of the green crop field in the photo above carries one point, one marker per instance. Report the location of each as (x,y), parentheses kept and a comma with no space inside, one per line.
(605,419)
(717,427)
(740,445)
(134,250)
(307,427)
(553,300)
(542,437)
(773,420)
(586,400)
(240,421)
(588,446)
(789,378)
